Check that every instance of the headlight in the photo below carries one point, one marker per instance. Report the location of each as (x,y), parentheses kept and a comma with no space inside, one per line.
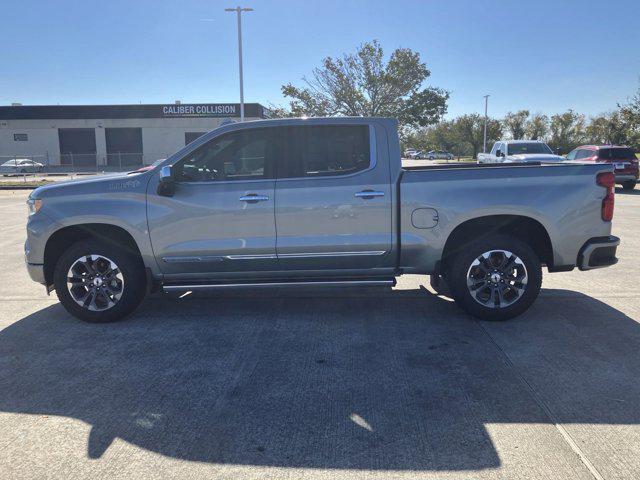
(34,206)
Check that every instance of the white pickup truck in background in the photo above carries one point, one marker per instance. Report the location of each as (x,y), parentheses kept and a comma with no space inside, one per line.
(519,151)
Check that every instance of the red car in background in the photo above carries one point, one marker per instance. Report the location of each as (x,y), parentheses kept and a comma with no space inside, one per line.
(624,160)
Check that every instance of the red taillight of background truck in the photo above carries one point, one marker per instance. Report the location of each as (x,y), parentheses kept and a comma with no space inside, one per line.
(607,180)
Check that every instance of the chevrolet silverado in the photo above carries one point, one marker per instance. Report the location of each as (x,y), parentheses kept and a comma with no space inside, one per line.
(317,202)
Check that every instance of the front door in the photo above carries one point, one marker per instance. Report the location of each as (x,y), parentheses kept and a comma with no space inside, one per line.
(333,200)
(221,218)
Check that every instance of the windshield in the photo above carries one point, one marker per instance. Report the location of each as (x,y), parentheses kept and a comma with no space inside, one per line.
(616,154)
(524,148)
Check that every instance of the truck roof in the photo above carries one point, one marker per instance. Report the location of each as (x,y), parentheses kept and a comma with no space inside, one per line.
(522,141)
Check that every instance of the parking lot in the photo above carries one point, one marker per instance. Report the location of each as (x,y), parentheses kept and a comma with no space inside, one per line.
(324,384)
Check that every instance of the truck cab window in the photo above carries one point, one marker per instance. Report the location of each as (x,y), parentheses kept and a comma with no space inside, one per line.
(239,155)
(318,151)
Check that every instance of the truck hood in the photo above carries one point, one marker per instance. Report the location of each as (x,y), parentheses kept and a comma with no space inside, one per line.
(535,157)
(115,181)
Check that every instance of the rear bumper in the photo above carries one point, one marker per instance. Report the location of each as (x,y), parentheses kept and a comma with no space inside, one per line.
(625,177)
(598,252)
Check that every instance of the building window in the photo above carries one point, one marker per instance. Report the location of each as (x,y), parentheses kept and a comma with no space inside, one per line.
(20,137)
(191,136)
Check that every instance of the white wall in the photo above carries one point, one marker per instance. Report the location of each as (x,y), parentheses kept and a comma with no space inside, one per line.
(161,137)
(41,141)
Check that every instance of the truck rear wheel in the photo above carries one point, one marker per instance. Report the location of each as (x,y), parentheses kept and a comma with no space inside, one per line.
(496,278)
(630,185)
(97,282)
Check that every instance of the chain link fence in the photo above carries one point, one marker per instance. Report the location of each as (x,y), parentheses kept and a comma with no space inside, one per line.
(71,164)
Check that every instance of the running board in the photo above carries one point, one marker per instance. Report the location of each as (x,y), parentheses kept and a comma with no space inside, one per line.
(309,283)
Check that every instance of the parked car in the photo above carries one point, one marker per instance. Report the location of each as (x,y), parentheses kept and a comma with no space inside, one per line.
(519,151)
(624,160)
(438,154)
(17,166)
(408,153)
(347,214)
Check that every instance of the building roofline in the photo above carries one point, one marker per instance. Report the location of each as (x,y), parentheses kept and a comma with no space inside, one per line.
(121,111)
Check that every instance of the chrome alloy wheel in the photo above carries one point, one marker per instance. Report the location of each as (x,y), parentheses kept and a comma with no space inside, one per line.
(497,279)
(95,282)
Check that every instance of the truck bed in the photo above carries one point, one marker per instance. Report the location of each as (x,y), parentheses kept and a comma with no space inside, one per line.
(563,198)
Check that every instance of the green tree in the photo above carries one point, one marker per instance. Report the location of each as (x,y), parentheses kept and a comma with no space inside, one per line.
(537,126)
(446,136)
(630,118)
(470,130)
(364,84)
(516,123)
(607,129)
(567,131)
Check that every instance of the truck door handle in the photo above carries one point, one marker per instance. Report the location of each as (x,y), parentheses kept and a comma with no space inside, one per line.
(252,197)
(366,194)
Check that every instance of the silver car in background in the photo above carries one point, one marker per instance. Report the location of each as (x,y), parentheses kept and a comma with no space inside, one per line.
(19,166)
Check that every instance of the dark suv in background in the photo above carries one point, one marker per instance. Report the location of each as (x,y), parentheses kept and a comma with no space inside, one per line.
(625,162)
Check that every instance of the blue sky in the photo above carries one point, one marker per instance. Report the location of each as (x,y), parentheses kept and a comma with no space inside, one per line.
(542,55)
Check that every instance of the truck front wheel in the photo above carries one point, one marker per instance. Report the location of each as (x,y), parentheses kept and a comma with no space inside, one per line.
(99,282)
(496,278)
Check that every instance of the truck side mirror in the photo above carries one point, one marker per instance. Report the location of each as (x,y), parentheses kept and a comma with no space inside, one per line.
(498,153)
(166,183)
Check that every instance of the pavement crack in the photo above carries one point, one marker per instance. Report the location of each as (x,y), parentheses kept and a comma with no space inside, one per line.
(543,406)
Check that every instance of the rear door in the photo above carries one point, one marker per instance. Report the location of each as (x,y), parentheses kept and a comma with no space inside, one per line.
(333,199)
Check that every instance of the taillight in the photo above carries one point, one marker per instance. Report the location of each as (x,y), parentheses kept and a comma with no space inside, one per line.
(607,180)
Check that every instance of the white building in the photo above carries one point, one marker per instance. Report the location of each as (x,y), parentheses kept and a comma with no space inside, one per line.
(105,136)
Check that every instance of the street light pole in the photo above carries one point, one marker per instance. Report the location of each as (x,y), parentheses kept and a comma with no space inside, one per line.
(239,11)
(484,143)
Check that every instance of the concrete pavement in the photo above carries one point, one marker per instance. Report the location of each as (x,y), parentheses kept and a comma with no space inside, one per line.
(325,384)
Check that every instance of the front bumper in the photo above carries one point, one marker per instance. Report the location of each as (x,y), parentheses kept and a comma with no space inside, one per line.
(36,272)
(598,252)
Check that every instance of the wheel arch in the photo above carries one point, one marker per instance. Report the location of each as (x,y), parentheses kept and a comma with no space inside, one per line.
(524,228)
(63,238)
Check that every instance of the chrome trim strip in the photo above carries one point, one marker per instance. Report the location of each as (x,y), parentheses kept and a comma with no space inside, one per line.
(216,258)
(220,258)
(250,257)
(329,283)
(332,254)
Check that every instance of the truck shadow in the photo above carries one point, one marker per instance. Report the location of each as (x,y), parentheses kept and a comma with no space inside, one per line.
(393,381)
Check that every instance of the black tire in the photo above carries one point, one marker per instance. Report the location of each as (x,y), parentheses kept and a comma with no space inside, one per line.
(130,266)
(460,269)
(630,185)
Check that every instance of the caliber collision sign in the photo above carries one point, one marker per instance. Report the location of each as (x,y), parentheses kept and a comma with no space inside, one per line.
(199,110)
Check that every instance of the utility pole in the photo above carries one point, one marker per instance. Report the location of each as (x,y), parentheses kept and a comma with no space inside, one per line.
(239,11)
(484,143)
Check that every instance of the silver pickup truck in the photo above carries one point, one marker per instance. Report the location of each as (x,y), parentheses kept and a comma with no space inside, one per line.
(320,202)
